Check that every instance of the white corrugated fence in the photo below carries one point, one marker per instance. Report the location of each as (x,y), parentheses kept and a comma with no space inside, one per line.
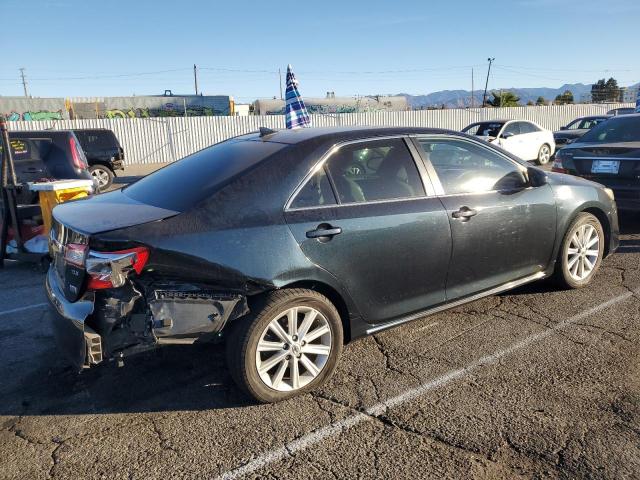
(157,140)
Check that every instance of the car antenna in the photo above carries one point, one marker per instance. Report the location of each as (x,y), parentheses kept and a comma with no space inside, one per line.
(264,131)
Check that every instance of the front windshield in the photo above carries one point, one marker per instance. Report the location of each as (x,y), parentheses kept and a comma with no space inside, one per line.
(484,129)
(623,129)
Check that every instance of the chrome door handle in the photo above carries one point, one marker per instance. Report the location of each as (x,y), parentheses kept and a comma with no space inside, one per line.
(464,214)
(324,232)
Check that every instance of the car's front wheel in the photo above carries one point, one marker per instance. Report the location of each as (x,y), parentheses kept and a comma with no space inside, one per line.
(102,175)
(289,344)
(580,253)
(544,155)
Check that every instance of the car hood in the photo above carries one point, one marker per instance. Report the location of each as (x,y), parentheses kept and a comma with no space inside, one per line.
(108,211)
(562,179)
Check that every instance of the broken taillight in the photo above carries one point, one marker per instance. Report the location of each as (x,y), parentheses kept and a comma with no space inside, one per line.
(110,269)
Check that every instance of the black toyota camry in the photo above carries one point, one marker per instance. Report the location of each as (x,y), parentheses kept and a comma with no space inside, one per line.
(289,244)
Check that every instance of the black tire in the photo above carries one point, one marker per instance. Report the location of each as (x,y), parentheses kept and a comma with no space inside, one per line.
(244,335)
(562,276)
(103,174)
(544,154)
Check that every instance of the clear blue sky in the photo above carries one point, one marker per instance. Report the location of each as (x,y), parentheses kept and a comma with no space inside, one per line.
(117,47)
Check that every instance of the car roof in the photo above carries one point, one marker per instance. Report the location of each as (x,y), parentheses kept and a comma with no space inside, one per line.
(341,134)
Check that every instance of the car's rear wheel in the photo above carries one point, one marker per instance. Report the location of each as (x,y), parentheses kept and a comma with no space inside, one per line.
(544,155)
(102,175)
(288,345)
(580,253)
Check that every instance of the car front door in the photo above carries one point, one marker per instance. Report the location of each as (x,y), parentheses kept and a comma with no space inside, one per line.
(369,217)
(511,139)
(502,228)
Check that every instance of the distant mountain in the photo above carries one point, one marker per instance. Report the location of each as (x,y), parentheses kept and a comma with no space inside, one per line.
(462,98)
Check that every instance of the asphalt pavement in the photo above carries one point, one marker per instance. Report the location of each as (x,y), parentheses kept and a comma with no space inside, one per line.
(534,383)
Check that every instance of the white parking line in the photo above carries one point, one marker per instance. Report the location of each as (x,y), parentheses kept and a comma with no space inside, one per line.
(21,309)
(336,428)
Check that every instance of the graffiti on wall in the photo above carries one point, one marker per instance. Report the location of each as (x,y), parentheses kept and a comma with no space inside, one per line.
(35,115)
(166,110)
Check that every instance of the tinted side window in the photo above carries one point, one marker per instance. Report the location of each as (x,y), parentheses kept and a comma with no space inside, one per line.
(316,192)
(375,170)
(513,127)
(463,167)
(526,127)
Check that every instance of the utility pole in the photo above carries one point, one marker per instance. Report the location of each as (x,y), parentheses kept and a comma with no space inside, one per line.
(24,82)
(472,101)
(486,84)
(280,76)
(195,77)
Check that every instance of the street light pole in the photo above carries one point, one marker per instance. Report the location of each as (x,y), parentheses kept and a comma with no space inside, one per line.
(486,84)
(195,77)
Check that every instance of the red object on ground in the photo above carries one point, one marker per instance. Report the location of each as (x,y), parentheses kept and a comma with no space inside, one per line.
(27,232)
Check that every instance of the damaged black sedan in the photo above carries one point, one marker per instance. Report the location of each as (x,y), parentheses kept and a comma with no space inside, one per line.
(289,244)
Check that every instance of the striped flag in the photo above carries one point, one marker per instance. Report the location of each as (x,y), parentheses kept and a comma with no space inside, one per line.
(295,111)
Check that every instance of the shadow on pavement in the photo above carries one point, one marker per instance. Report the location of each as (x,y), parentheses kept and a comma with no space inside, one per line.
(176,378)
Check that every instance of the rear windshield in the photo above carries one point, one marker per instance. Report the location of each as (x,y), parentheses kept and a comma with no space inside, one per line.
(622,129)
(189,181)
(96,139)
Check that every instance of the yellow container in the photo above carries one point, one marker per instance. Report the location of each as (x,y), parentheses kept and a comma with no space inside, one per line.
(60,191)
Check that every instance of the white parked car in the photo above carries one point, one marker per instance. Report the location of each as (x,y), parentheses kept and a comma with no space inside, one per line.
(523,138)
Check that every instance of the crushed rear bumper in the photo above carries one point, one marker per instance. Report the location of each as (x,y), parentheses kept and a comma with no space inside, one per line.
(76,341)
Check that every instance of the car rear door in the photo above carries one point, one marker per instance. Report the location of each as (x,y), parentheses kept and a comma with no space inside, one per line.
(530,140)
(502,228)
(369,217)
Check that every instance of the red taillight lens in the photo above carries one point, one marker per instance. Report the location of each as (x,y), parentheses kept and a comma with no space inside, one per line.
(142,255)
(77,160)
(108,269)
(75,254)
(558,167)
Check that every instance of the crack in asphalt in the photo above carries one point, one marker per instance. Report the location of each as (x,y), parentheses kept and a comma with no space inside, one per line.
(165,444)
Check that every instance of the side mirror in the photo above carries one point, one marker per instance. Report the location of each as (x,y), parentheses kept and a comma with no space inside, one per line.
(564,128)
(506,135)
(537,177)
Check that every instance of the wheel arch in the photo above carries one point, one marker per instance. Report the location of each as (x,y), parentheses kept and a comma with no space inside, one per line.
(604,221)
(102,163)
(334,297)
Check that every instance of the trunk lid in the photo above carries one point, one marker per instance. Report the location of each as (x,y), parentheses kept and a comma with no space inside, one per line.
(106,212)
(607,161)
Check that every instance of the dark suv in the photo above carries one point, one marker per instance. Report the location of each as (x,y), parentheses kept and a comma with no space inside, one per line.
(50,154)
(104,154)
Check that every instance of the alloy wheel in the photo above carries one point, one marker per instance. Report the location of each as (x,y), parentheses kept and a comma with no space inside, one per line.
(545,154)
(293,349)
(583,252)
(101,176)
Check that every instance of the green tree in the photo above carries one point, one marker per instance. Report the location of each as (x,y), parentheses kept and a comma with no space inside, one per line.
(530,103)
(541,101)
(504,99)
(564,98)
(605,91)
